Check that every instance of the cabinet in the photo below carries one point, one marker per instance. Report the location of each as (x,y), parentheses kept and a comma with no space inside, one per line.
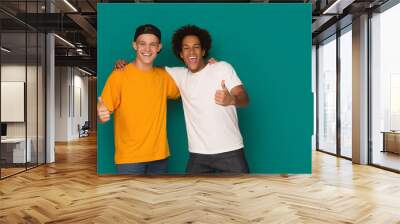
(391,141)
(13,150)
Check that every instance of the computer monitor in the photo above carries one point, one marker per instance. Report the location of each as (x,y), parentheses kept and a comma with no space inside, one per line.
(3,129)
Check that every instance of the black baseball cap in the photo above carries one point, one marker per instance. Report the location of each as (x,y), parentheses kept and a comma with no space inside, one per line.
(147,29)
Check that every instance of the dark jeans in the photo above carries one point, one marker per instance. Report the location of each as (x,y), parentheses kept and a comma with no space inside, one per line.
(152,167)
(227,162)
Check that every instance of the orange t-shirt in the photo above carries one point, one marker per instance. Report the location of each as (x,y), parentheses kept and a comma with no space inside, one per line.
(139,102)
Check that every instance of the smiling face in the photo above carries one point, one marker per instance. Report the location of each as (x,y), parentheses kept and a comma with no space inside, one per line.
(147,46)
(192,53)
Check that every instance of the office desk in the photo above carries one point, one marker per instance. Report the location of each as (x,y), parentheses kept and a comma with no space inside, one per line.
(13,150)
(391,141)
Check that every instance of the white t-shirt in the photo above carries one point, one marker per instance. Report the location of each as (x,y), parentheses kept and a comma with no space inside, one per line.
(211,128)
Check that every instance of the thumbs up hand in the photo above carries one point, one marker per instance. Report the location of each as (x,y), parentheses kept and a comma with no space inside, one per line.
(223,97)
(102,111)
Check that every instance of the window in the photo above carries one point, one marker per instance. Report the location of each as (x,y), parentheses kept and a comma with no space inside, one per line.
(385,88)
(327,95)
(346,75)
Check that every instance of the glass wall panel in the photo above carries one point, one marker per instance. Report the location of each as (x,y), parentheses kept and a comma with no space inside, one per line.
(41,98)
(13,94)
(346,93)
(22,88)
(32,85)
(385,87)
(327,95)
(32,96)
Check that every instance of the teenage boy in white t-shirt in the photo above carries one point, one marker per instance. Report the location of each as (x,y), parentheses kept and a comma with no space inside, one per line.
(210,95)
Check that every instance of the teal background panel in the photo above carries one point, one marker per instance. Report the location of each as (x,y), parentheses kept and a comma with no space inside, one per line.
(269,45)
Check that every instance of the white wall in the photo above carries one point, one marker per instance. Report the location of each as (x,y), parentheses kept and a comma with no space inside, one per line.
(33,127)
(71,93)
(16,72)
(81,84)
(61,103)
(12,73)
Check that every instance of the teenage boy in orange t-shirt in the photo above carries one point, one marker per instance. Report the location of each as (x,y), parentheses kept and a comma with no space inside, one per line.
(138,97)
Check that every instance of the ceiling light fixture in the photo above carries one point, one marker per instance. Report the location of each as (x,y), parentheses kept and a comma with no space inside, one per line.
(337,7)
(5,50)
(329,9)
(70,5)
(84,71)
(64,40)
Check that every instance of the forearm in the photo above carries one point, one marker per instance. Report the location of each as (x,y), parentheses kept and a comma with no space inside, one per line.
(241,100)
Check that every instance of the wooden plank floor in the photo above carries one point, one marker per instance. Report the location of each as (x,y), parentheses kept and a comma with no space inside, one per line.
(70,191)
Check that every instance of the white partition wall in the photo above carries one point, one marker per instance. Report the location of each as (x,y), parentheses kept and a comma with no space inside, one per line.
(71,102)
(12,100)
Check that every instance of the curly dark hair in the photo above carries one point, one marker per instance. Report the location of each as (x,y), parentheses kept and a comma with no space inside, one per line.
(191,30)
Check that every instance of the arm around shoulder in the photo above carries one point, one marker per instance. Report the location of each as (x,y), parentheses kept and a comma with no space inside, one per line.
(172,86)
